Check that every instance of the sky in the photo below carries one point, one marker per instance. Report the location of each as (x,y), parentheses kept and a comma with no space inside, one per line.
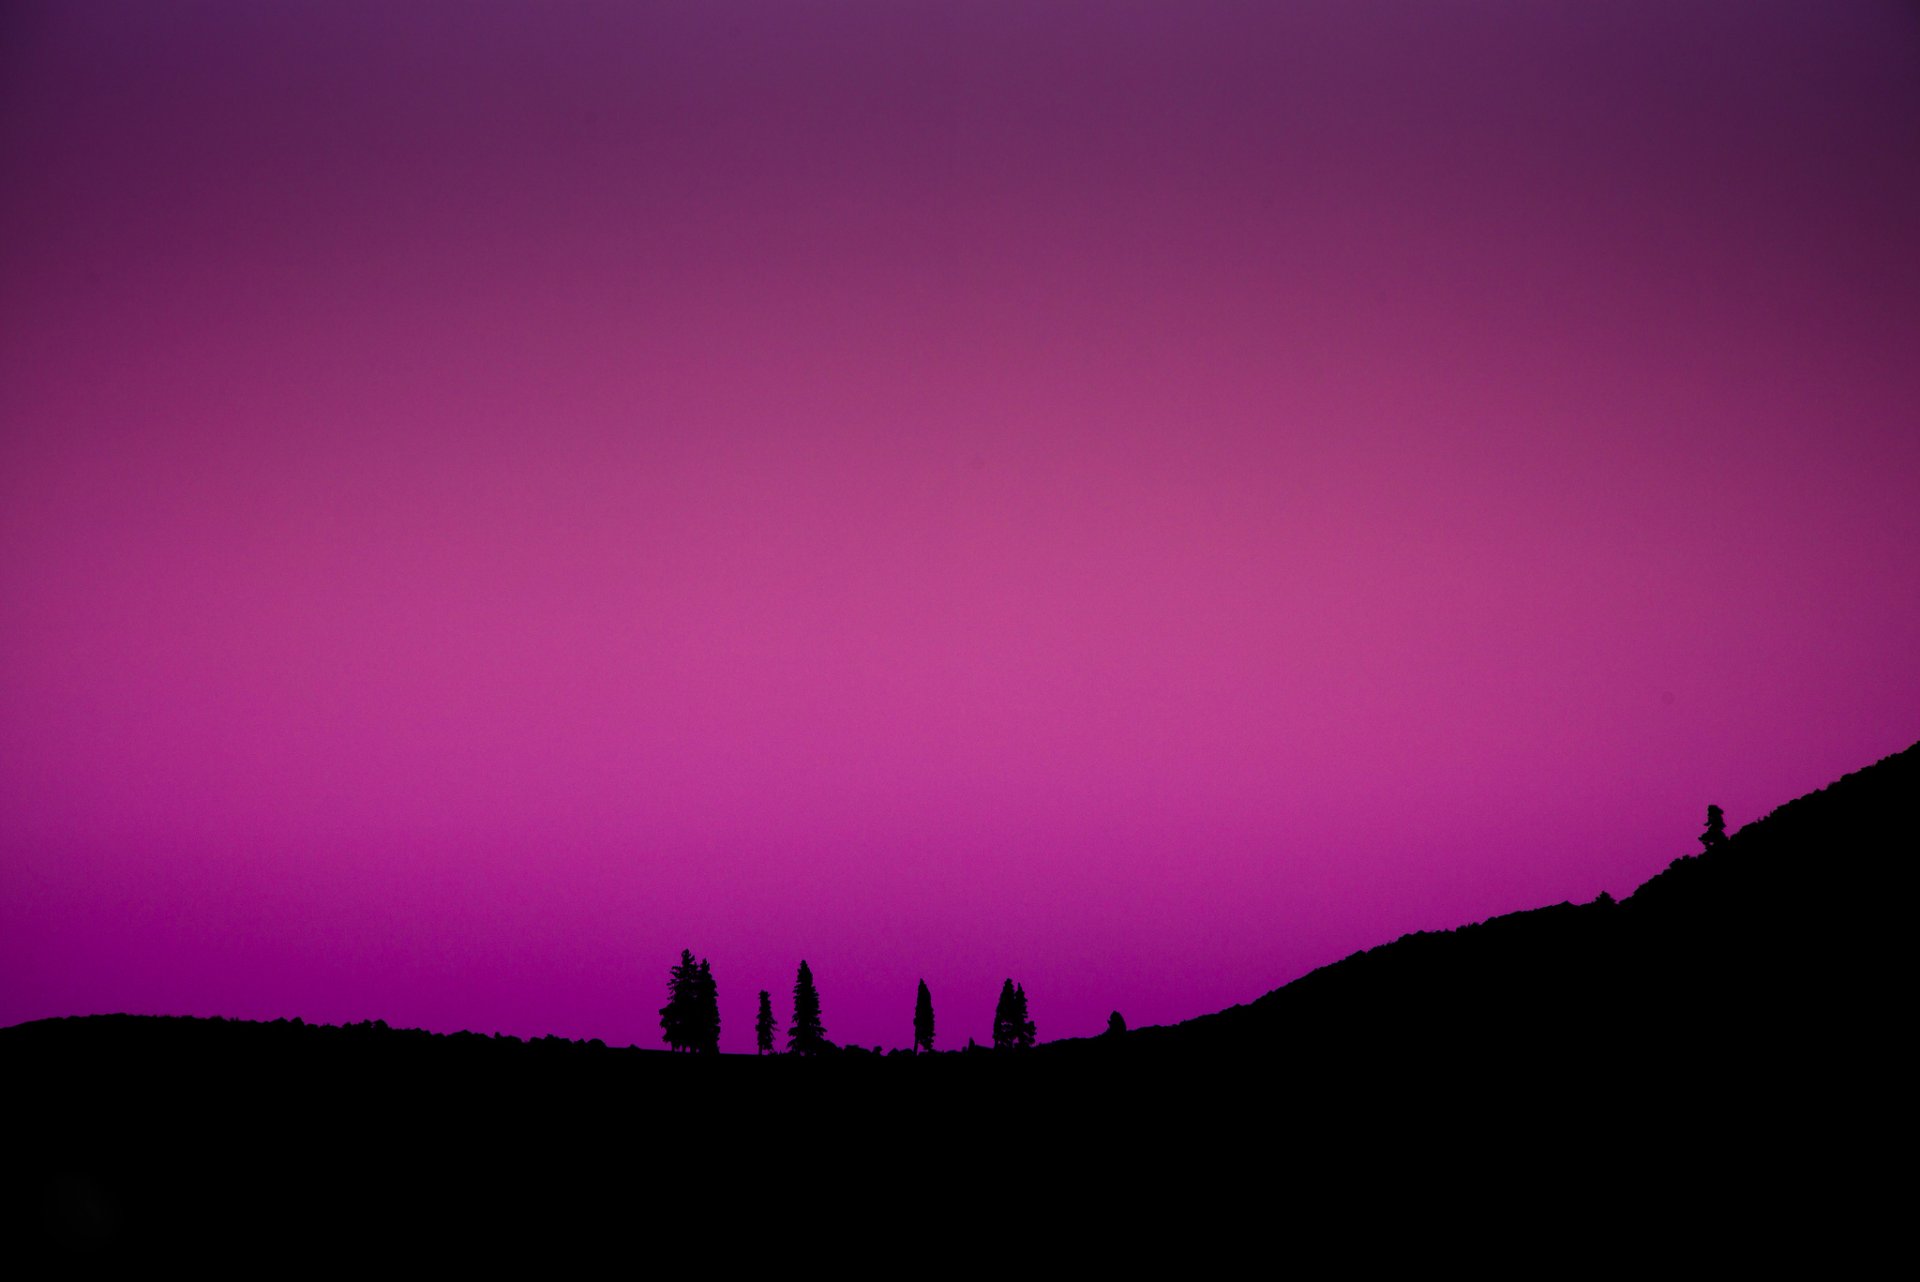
(1143,499)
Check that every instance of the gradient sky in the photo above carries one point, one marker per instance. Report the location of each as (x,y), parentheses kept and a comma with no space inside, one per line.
(1145,499)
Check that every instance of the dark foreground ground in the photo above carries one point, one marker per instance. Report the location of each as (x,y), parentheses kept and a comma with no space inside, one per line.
(1707,1075)
(270,1144)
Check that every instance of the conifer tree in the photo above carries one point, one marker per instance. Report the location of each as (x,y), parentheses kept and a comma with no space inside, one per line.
(807,1035)
(1004,1019)
(706,1011)
(764,1027)
(1023,1030)
(923,1020)
(1012,1026)
(677,1017)
(1716,833)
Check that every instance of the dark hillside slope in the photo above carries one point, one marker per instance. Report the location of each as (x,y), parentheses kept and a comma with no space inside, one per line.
(1778,944)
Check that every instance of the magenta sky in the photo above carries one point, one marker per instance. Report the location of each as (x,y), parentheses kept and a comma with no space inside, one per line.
(1145,499)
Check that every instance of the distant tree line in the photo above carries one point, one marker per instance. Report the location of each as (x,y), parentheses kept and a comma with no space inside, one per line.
(690,1021)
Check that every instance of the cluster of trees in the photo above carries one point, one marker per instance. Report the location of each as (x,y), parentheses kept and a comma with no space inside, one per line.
(1012,1026)
(690,1020)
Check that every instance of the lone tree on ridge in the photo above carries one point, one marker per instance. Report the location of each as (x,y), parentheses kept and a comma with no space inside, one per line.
(1716,833)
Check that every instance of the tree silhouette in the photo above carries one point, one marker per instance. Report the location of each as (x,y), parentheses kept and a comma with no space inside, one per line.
(1716,833)
(706,1011)
(807,1035)
(1012,1029)
(764,1027)
(677,1018)
(1115,1025)
(923,1020)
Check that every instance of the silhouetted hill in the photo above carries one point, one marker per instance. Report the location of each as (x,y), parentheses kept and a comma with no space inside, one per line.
(1784,929)
(1696,1069)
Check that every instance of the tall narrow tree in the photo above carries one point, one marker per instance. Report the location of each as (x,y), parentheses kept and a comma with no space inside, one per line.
(923,1020)
(806,1035)
(764,1027)
(1003,1018)
(677,1016)
(1012,1028)
(705,1010)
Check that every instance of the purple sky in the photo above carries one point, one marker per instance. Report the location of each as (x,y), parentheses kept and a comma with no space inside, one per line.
(1144,499)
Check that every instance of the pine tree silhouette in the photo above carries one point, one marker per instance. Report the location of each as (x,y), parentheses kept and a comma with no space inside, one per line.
(677,1022)
(764,1027)
(807,1035)
(1023,1030)
(1012,1029)
(705,1011)
(1716,833)
(923,1020)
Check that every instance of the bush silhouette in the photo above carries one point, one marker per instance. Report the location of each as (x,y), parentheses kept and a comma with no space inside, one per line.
(1716,833)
